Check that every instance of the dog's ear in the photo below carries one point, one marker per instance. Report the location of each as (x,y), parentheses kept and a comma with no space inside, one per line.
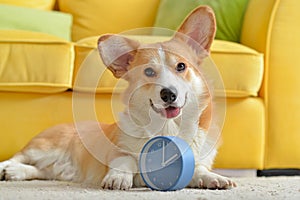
(199,27)
(117,52)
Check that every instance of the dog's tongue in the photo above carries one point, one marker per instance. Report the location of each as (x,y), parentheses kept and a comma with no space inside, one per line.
(172,112)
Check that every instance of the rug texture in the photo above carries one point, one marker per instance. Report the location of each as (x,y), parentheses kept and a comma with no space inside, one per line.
(248,188)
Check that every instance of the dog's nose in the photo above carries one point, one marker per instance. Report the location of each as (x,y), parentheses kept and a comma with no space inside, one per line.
(168,95)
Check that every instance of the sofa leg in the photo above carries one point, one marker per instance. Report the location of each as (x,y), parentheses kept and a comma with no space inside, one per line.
(278,172)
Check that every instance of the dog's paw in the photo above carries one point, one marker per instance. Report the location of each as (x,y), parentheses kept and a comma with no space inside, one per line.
(2,172)
(211,180)
(3,165)
(115,180)
(15,172)
(215,181)
(2,175)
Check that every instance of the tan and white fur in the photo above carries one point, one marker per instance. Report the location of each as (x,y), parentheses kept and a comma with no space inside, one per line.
(167,95)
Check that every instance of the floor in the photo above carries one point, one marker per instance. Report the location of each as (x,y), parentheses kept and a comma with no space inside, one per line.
(248,188)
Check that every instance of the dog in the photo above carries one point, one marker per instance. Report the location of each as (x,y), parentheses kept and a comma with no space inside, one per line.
(166,95)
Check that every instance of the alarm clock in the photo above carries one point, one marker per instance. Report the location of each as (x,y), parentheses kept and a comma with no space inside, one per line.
(166,163)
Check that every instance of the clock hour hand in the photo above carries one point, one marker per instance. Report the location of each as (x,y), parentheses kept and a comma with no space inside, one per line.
(170,159)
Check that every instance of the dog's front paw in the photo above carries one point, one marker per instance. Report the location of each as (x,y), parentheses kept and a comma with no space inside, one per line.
(2,167)
(15,172)
(116,180)
(211,180)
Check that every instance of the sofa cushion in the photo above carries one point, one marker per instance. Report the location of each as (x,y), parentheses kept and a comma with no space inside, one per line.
(51,22)
(94,17)
(34,62)
(240,67)
(243,135)
(229,15)
(38,4)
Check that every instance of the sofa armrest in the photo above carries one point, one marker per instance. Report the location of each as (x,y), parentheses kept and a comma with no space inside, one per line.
(257,23)
(271,27)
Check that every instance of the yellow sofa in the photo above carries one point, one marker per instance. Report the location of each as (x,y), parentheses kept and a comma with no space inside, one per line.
(38,73)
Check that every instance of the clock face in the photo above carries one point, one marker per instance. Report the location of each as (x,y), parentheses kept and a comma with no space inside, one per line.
(161,163)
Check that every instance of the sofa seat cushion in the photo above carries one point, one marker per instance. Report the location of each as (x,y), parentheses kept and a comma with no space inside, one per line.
(34,62)
(240,67)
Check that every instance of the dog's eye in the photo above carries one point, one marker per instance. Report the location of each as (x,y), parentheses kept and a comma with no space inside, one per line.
(180,67)
(149,72)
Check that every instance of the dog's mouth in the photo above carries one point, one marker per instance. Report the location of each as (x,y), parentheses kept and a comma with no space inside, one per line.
(167,112)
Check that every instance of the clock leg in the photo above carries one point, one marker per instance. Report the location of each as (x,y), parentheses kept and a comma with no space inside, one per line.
(120,175)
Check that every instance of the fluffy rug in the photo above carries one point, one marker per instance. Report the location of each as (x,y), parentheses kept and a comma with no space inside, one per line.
(248,188)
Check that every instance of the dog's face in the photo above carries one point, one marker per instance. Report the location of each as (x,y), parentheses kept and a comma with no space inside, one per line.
(163,78)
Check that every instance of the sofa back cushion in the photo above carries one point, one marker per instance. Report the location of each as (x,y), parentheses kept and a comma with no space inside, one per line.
(95,17)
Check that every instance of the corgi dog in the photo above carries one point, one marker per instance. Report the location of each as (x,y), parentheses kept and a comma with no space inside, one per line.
(166,95)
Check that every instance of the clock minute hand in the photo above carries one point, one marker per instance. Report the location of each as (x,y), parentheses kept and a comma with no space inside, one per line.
(170,159)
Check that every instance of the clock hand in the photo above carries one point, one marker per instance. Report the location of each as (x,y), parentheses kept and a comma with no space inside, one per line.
(163,153)
(170,159)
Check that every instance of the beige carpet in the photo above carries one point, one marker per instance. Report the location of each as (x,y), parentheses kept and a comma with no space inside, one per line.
(248,188)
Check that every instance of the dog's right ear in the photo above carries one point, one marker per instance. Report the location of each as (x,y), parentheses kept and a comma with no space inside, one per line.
(117,52)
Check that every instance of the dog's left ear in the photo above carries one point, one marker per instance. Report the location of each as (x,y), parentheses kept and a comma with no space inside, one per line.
(199,27)
(117,52)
